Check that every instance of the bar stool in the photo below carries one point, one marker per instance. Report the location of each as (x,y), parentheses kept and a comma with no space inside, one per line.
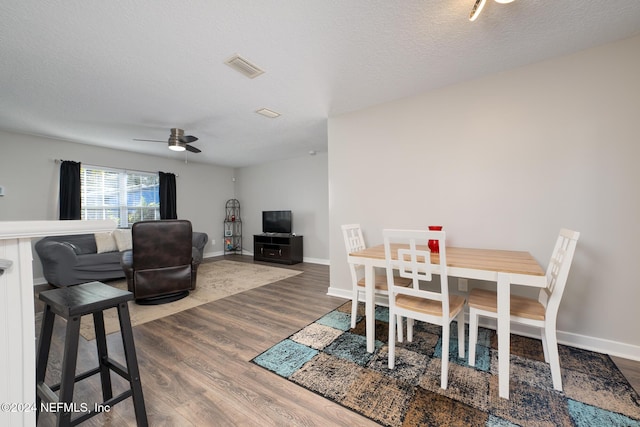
(71,303)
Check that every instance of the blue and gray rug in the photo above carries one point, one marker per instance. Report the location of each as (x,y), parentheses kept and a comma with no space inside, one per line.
(329,358)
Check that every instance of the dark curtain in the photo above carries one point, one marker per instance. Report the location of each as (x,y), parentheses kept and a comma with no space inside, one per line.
(69,190)
(168,196)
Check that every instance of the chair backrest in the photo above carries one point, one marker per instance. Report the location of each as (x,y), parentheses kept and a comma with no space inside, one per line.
(558,271)
(407,252)
(161,244)
(353,240)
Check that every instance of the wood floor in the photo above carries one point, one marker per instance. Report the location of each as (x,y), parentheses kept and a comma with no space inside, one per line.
(195,367)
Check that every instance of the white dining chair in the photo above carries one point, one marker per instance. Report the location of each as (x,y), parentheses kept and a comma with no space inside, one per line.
(413,262)
(354,242)
(541,313)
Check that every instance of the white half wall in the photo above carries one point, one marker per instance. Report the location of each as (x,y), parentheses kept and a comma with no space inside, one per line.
(30,178)
(504,162)
(299,185)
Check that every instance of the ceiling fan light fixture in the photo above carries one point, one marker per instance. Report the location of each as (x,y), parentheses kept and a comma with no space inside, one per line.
(176,145)
(477,8)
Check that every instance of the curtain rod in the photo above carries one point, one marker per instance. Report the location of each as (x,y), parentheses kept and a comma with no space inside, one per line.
(110,167)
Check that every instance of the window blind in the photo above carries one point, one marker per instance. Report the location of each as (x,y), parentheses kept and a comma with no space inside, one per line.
(121,195)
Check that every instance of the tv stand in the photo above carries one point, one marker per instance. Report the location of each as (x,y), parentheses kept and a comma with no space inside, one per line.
(277,247)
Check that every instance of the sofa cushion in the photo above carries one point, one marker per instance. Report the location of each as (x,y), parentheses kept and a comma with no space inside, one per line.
(105,242)
(98,262)
(123,239)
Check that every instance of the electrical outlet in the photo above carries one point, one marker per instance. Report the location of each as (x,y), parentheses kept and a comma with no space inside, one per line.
(463,285)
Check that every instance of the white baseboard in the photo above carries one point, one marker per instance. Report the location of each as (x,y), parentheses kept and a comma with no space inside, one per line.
(340,293)
(585,342)
(599,345)
(316,261)
(212,254)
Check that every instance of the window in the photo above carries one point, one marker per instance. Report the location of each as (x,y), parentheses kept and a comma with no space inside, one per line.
(124,196)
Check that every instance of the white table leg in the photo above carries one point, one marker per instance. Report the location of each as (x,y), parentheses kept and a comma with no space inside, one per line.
(504,344)
(370,307)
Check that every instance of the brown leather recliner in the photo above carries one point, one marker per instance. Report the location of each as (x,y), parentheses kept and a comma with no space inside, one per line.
(162,265)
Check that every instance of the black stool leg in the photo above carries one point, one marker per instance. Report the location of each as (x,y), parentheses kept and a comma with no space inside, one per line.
(103,356)
(69,359)
(44,345)
(132,364)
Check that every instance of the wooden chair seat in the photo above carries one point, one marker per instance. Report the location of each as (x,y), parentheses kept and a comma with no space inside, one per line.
(427,306)
(381,282)
(485,300)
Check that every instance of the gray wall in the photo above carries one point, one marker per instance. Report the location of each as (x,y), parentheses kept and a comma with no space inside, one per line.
(504,162)
(30,177)
(299,185)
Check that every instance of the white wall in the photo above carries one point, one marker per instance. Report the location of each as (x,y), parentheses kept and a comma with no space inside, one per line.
(504,162)
(299,185)
(30,177)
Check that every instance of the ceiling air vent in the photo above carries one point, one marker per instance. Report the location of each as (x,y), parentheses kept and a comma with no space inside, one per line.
(243,66)
(268,113)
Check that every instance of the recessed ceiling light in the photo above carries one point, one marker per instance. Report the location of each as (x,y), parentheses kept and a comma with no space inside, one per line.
(268,113)
(243,66)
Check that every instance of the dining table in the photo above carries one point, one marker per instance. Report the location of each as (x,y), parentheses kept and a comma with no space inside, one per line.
(502,267)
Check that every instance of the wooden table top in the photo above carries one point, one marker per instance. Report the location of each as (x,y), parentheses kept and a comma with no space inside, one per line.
(515,262)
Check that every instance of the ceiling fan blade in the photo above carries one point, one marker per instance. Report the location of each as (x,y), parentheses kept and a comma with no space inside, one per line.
(177,138)
(150,140)
(187,139)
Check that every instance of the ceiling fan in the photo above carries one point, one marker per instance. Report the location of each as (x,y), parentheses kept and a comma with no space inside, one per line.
(178,141)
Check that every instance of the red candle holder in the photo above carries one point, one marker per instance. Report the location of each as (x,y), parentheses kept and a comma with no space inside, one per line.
(434,247)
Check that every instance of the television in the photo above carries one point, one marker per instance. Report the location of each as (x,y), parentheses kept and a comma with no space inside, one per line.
(276,222)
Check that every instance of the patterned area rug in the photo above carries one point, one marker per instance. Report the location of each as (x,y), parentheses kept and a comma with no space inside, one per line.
(329,358)
(215,280)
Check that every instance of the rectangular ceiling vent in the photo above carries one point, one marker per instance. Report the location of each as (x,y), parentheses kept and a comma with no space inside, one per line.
(244,67)
(268,113)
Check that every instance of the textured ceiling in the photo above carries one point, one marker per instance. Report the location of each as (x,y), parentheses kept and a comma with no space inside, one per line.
(105,72)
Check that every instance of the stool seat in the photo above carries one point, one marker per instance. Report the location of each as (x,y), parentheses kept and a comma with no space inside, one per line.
(84,299)
(71,303)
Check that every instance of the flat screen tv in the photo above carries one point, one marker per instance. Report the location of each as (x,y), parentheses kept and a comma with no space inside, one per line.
(276,222)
